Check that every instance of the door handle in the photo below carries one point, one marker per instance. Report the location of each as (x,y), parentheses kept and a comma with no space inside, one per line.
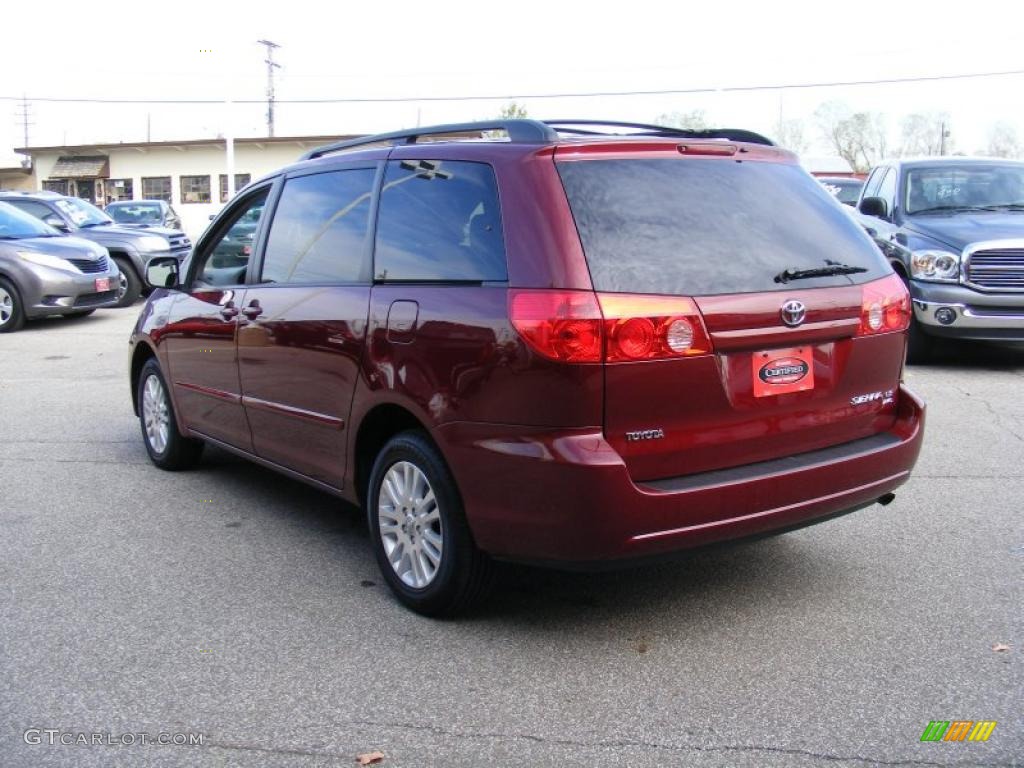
(229,311)
(252,311)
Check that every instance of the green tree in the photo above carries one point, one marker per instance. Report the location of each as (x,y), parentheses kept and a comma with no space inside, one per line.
(512,110)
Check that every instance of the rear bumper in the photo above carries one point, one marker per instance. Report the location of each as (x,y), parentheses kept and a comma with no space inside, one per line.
(566,497)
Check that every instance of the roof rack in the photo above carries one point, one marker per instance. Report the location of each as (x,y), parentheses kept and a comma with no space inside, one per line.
(646,129)
(525,131)
(521,131)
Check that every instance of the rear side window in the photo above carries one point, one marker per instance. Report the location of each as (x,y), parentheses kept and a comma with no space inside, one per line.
(702,227)
(319,230)
(439,221)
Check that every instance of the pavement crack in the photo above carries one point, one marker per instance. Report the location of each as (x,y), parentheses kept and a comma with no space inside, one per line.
(999,418)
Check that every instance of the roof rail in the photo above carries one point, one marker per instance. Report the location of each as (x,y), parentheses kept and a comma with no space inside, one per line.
(521,131)
(586,128)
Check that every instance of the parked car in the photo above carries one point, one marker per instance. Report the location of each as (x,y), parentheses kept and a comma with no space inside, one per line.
(953,229)
(43,273)
(143,214)
(845,188)
(636,351)
(131,248)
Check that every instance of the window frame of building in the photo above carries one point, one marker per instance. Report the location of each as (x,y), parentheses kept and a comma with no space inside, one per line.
(241,180)
(190,185)
(125,191)
(165,183)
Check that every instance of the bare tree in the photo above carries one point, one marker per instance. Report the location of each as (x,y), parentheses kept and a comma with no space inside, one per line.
(1003,141)
(925,133)
(512,110)
(860,138)
(790,134)
(694,120)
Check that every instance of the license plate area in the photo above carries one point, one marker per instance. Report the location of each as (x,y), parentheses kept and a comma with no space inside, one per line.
(102,284)
(778,371)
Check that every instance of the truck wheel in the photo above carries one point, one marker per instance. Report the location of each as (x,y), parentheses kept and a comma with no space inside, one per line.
(418,530)
(12,315)
(129,285)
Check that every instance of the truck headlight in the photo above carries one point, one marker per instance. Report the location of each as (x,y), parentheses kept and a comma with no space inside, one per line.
(48,260)
(940,266)
(153,243)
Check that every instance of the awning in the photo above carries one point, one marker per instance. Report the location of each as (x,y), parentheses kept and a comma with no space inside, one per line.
(81,167)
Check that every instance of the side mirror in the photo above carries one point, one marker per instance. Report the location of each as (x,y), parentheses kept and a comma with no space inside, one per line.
(874,206)
(56,222)
(162,272)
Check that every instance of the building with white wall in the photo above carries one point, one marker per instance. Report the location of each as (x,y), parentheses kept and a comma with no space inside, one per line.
(191,175)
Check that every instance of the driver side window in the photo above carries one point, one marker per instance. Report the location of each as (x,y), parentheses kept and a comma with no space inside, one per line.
(227,259)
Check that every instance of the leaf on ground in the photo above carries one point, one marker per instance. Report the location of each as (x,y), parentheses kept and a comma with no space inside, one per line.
(1000,647)
(368,758)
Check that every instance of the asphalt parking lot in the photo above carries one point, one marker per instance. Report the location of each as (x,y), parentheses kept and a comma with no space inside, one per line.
(245,607)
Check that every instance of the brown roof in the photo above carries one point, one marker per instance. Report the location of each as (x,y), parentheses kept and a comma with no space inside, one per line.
(315,140)
(81,167)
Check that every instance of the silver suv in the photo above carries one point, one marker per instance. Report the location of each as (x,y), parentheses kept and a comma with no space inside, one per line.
(43,272)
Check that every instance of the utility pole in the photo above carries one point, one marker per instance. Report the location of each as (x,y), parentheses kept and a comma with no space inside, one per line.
(24,117)
(943,135)
(271,65)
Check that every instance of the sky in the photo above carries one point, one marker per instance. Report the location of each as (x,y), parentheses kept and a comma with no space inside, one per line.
(208,51)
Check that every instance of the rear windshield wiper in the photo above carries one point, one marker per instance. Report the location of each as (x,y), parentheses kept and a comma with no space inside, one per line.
(833,269)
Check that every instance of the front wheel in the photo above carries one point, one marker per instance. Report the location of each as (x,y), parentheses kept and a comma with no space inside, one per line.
(419,532)
(12,314)
(129,285)
(920,346)
(167,447)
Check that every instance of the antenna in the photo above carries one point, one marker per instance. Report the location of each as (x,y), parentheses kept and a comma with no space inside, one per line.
(271,65)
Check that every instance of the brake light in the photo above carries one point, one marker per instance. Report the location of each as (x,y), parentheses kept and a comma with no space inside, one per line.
(651,327)
(560,325)
(581,327)
(885,306)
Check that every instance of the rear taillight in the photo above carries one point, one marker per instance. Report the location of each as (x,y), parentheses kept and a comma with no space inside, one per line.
(561,325)
(885,306)
(583,327)
(651,327)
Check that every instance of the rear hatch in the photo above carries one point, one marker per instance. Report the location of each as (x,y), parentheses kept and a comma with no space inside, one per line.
(726,341)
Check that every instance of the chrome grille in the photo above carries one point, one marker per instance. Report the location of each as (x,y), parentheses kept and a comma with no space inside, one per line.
(997,268)
(180,244)
(91,266)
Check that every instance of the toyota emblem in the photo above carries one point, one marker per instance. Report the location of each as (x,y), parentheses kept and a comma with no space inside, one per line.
(793,313)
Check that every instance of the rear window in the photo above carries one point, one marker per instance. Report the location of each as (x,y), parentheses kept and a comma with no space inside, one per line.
(702,227)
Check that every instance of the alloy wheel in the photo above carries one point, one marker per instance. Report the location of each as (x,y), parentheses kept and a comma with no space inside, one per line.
(156,414)
(410,524)
(6,306)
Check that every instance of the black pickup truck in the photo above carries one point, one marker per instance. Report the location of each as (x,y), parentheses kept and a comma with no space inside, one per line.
(953,228)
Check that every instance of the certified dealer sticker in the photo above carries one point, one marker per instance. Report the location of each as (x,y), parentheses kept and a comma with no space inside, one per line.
(783,370)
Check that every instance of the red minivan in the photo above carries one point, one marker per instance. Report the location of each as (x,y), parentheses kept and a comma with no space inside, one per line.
(542,342)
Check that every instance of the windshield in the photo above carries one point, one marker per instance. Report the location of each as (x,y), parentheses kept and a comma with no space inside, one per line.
(134,213)
(964,186)
(83,214)
(846,190)
(16,224)
(701,227)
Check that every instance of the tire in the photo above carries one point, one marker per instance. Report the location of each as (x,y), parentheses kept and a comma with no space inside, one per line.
(920,346)
(424,548)
(12,313)
(167,447)
(129,285)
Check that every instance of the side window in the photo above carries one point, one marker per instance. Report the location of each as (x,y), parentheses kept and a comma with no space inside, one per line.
(439,220)
(226,262)
(38,210)
(887,189)
(873,182)
(319,230)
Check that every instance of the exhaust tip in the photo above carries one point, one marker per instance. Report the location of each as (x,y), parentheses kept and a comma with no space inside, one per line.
(886,499)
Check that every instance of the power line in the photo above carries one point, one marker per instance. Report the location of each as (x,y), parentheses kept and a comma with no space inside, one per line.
(514,96)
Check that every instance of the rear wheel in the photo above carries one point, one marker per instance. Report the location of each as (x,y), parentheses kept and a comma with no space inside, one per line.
(419,532)
(129,285)
(12,314)
(167,447)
